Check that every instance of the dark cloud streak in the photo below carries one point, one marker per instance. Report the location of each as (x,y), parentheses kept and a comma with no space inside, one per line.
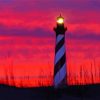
(16,31)
(83,35)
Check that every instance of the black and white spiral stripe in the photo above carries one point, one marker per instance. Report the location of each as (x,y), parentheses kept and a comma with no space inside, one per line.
(60,61)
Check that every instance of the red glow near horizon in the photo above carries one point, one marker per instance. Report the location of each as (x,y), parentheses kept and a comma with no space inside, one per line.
(27,64)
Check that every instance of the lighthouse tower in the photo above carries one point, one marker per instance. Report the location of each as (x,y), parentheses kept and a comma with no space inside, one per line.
(60,54)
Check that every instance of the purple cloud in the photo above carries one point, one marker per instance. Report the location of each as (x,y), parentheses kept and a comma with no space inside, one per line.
(17,31)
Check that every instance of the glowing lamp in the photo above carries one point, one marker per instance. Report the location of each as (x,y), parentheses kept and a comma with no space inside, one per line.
(60,20)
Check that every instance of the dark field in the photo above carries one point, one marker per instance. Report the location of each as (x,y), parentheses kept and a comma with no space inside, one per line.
(91,92)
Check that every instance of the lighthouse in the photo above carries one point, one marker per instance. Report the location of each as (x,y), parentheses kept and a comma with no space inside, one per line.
(60,54)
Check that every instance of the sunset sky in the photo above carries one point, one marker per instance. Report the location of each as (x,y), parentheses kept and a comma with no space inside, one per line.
(27,39)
